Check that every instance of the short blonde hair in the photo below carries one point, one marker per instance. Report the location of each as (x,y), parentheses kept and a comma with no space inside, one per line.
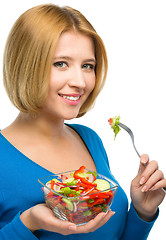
(29,52)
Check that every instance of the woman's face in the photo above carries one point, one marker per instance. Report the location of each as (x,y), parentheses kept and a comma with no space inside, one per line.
(72,75)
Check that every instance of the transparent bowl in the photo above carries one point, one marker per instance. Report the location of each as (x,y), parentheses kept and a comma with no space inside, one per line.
(79,209)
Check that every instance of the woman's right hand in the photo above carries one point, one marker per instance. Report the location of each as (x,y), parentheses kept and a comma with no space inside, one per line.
(41,217)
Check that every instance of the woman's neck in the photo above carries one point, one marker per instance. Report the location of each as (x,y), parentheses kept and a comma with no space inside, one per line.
(40,125)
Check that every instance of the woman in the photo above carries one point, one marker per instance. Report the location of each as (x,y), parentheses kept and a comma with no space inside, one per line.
(55,65)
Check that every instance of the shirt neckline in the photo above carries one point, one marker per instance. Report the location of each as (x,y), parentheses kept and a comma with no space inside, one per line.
(38,165)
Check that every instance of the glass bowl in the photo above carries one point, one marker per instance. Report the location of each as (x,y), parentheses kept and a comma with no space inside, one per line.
(88,201)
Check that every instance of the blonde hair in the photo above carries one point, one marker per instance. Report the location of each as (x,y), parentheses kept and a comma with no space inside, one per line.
(29,51)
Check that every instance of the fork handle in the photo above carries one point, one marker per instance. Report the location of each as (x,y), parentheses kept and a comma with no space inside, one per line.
(136,151)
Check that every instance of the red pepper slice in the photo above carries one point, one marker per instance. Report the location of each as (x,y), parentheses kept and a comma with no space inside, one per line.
(108,200)
(52,184)
(89,190)
(77,172)
(82,179)
(110,193)
(96,202)
(82,185)
(110,121)
(99,195)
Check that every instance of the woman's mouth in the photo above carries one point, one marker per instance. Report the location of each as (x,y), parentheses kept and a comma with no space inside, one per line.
(71,99)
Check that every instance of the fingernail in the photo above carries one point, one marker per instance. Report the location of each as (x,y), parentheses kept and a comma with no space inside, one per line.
(142,181)
(113,213)
(144,189)
(144,160)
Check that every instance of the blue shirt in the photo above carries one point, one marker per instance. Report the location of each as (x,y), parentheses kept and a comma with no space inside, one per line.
(20,190)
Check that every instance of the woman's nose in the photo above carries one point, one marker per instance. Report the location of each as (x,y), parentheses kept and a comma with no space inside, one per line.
(77,78)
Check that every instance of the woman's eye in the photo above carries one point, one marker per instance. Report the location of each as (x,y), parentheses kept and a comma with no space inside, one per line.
(60,64)
(88,66)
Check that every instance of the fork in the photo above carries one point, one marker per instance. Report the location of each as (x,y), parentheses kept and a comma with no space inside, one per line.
(131,135)
(132,138)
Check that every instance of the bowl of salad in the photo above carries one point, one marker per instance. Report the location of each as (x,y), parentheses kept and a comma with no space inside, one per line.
(79,195)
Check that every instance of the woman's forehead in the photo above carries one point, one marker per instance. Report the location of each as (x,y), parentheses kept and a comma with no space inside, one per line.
(73,43)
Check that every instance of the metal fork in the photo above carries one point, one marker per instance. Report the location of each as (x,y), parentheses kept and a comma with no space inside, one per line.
(131,135)
(132,138)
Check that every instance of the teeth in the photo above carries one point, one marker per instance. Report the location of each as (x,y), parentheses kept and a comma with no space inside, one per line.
(70,97)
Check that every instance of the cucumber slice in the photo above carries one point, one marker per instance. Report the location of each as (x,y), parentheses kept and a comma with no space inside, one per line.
(70,181)
(102,184)
(83,175)
(87,213)
(69,204)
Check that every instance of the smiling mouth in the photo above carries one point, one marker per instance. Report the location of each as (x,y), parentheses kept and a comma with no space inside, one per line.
(71,98)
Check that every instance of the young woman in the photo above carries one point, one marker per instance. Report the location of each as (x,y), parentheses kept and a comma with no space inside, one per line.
(55,65)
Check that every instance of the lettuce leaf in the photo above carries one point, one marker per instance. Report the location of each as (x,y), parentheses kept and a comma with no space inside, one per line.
(114,122)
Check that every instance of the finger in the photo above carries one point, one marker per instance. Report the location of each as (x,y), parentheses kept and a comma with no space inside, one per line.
(107,216)
(61,226)
(95,223)
(152,180)
(144,160)
(158,185)
(91,224)
(148,171)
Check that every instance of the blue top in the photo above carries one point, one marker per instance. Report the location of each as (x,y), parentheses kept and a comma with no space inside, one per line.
(20,190)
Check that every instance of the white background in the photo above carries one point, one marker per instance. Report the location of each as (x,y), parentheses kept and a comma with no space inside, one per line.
(134,33)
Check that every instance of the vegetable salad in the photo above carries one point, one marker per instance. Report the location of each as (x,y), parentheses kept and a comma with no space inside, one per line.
(79,196)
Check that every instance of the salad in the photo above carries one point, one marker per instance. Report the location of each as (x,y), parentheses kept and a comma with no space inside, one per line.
(79,196)
(114,122)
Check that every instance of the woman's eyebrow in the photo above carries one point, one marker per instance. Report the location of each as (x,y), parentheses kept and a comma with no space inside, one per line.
(70,58)
(62,57)
(90,60)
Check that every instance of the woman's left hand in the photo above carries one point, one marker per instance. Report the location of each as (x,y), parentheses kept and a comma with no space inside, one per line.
(146,189)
